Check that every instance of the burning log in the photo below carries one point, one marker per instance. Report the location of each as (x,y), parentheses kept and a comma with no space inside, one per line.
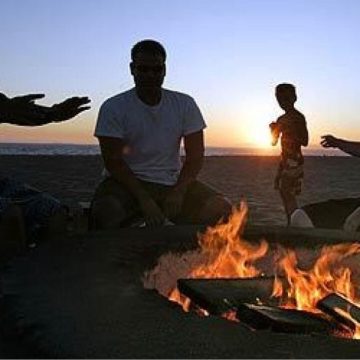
(341,309)
(260,317)
(217,295)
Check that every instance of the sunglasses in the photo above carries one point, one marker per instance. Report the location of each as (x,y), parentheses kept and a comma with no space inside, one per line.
(158,69)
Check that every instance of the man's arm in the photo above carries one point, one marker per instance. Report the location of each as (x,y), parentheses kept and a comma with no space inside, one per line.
(23,111)
(194,156)
(350,147)
(112,152)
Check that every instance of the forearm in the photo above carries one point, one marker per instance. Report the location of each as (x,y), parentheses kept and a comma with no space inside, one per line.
(350,147)
(304,138)
(189,173)
(15,113)
(120,171)
(21,121)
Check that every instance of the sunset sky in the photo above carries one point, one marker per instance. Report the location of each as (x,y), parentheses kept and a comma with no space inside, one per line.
(227,54)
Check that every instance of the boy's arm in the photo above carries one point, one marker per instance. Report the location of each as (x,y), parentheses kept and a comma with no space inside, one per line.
(275,132)
(304,135)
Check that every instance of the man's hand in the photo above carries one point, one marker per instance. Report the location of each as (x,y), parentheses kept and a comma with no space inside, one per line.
(68,108)
(26,100)
(173,203)
(329,141)
(22,110)
(152,213)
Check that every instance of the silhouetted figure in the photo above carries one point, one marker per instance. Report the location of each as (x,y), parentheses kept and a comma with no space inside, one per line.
(352,222)
(24,210)
(350,147)
(22,110)
(291,127)
(140,131)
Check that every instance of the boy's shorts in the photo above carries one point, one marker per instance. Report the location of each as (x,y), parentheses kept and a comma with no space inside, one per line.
(196,196)
(36,206)
(291,178)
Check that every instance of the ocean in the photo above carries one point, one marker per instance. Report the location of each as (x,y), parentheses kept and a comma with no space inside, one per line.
(77,149)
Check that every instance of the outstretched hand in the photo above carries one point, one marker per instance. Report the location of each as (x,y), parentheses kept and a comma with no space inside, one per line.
(68,108)
(22,110)
(329,141)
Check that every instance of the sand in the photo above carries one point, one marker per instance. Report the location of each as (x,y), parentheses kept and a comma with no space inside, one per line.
(73,179)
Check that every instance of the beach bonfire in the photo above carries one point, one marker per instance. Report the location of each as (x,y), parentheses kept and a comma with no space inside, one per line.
(264,286)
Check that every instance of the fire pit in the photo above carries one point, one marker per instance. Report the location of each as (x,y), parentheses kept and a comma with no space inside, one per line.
(84,296)
(224,278)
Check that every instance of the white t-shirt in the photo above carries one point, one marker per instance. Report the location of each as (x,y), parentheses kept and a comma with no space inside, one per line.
(152,134)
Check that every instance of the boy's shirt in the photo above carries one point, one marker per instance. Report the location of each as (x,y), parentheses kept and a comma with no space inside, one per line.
(292,126)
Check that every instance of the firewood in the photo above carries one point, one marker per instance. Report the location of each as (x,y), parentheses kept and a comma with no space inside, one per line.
(341,309)
(260,317)
(219,295)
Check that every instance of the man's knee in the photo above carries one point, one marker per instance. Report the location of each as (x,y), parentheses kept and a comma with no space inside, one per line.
(214,209)
(107,213)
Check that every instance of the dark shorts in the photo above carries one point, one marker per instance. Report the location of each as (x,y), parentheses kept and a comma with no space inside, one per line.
(291,176)
(196,196)
(36,206)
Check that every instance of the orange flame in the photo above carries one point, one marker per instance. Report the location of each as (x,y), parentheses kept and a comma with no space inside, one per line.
(223,253)
(227,254)
(303,289)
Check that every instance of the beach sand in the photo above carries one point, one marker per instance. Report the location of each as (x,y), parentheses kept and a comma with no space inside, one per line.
(74,178)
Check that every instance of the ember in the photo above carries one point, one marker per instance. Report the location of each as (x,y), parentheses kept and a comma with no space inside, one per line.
(224,254)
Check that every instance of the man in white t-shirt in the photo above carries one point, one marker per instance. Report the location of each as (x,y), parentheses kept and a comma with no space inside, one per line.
(140,131)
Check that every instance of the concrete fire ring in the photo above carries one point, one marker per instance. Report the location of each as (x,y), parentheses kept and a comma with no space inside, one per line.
(83,297)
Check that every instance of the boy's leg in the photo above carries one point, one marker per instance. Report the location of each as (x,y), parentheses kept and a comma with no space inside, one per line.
(278,177)
(290,186)
(203,205)
(290,203)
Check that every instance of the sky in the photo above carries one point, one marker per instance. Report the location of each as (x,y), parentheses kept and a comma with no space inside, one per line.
(227,54)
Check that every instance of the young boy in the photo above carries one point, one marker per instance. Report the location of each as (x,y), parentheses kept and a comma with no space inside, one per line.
(292,128)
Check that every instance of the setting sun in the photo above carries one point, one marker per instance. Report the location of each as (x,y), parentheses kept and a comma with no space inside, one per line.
(259,134)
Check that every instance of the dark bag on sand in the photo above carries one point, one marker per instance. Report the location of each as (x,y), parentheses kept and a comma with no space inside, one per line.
(331,214)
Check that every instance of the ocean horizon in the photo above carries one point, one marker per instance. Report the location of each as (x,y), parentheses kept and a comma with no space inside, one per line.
(93,149)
